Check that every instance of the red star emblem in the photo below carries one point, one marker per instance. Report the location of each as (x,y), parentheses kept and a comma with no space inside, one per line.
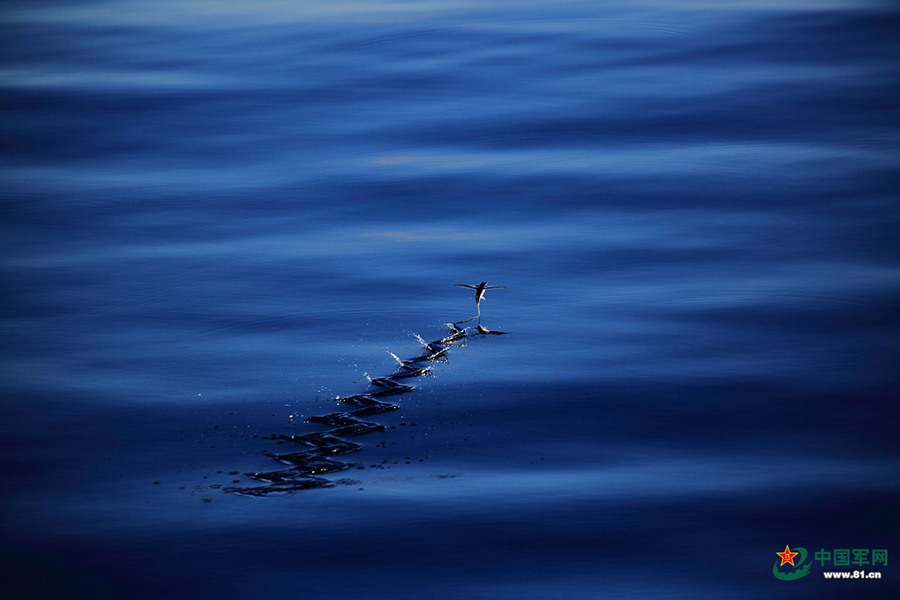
(787,556)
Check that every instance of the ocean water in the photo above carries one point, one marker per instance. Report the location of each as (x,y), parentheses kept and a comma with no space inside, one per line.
(219,218)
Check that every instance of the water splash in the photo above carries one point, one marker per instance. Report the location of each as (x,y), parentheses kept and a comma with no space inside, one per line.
(307,467)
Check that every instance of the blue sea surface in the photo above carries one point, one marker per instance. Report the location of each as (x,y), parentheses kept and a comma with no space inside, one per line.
(218,218)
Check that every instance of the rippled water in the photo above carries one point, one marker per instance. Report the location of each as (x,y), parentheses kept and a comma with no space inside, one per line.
(218,218)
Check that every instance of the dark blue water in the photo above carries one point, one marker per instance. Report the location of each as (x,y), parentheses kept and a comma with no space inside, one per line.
(218,218)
